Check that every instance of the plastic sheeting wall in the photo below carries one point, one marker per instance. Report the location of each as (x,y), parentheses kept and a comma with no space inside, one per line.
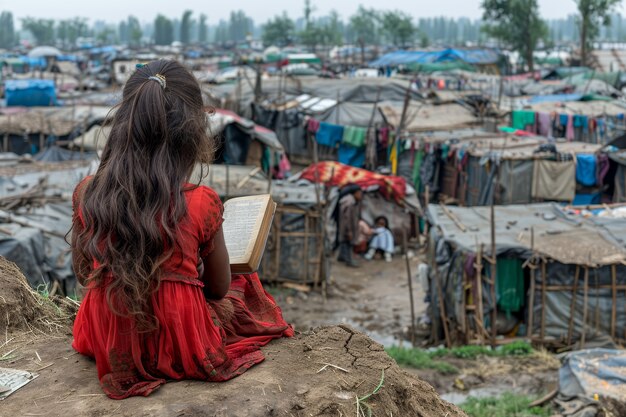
(557,301)
(599,303)
(288,126)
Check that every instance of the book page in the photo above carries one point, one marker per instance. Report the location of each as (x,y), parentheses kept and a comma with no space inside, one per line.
(242,219)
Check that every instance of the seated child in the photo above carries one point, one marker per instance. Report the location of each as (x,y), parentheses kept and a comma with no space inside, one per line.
(382,240)
(161,302)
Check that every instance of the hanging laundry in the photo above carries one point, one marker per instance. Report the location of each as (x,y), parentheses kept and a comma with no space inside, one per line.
(417,165)
(510,285)
(554,180)
(329,134)
(350,155)
(521,119)
(569,130)
(601,129)
(313,125)
(354,136)
(544,124)
(284,167)
(384,136)
(445,149)
(586,169)
(393,158)
(602,168)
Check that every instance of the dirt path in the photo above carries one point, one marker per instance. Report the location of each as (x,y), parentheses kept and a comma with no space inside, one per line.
(373,299)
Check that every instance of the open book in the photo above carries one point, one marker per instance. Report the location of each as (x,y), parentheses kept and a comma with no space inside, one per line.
(247,223)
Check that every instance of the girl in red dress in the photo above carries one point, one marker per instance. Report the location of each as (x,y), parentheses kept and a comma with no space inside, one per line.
(161,303)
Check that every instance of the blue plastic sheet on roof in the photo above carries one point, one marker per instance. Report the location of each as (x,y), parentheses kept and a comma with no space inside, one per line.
(34,62)
(70,58)
(470,56)
(30,93)
(102,50)
(549,98)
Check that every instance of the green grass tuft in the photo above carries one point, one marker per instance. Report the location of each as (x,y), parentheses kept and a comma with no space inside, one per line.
(422,359)
(419,359)
(506,405)
(517,348)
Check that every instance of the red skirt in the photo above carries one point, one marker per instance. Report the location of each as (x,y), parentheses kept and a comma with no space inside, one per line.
(211,341)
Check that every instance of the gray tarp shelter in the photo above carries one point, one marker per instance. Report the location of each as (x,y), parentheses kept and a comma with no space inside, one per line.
(560,277)
(34,237)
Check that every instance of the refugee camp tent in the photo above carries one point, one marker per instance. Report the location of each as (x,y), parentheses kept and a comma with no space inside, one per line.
(558,274)
(30,93)
(346,102)
(33,232)
(239,140)
(27,130)
(472,169)
(421,117)
(44,51)
(386,195)
(478,58)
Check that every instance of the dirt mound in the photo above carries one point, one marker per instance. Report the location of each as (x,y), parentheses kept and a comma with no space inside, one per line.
(321,373)
(22,308)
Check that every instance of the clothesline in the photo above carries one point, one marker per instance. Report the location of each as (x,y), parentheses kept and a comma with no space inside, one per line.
(570,126)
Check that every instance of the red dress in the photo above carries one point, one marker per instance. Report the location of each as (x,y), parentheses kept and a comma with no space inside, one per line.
(196,339)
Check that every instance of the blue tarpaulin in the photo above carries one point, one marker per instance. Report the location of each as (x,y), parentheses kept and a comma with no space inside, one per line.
(594,371)
(34,62)
(70,58)
(470,56)
(586,169)
(30,93)
(550,98)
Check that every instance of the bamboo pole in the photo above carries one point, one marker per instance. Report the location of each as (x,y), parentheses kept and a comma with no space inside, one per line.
(531,296)
(542,333)
(5,144)
(371,147)
(453,217)
(278,245)
(494,272)
(442,307)
(306,247)
(479,280)
(572,310)
(269,173)
(585,293)
(318,203)
(614,296)
(410,280)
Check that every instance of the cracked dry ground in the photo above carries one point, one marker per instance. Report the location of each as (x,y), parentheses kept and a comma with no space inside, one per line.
(319,373)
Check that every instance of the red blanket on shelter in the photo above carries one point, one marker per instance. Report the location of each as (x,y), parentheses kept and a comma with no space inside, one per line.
(338,175)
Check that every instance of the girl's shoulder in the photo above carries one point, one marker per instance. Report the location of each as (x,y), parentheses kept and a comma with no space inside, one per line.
(203,199)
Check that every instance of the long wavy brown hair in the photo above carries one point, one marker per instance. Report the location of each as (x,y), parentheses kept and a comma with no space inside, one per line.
(134,202)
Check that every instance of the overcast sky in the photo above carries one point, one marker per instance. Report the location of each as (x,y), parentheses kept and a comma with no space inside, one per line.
(259,10)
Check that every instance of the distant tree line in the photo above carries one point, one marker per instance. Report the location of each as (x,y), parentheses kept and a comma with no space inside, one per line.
(514,24)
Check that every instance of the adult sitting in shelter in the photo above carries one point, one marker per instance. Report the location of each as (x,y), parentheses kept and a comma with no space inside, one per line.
(161,302)
(382,240)
(348,213)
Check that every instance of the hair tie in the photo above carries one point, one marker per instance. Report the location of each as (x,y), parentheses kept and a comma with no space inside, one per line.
(160,79)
